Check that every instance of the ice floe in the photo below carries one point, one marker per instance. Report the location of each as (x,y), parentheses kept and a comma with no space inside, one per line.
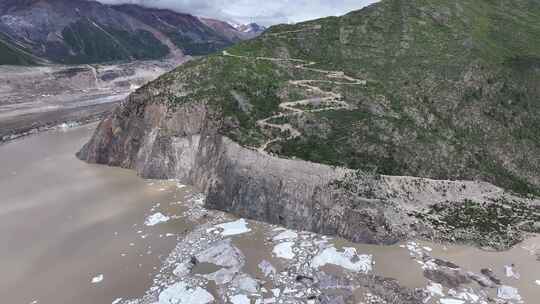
(97,279)
(508,293)
(240,299)
(156,218)
(286,235)
(511,272)
(451,301)
(267,268)
(435,289)
(347,259)
(117,301)
(467,295)
(284,250)
(537,282)
(232,228)
(181,293)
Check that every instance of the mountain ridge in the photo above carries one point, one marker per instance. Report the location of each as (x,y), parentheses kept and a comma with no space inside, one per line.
(84,31)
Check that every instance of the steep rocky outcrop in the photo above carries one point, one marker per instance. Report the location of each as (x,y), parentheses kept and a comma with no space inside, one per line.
(317,125)
(184,143)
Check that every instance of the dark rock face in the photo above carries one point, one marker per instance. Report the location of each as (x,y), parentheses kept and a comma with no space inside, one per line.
(184,143)
(447,277)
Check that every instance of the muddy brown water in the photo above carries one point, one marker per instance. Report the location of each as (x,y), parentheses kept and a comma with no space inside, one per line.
(64,222)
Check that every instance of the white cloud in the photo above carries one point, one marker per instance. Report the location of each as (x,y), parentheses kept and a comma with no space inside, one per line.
(265,12)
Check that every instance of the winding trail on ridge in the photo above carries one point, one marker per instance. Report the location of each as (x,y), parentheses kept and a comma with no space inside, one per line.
(326,101)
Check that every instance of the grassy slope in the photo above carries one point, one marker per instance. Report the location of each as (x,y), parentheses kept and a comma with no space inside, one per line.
(452,89)
(12,56)
(91,44)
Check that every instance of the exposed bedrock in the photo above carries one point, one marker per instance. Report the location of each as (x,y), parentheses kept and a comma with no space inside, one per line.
(184,143)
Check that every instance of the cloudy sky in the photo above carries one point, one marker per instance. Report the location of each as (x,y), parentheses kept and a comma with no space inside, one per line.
(265,12)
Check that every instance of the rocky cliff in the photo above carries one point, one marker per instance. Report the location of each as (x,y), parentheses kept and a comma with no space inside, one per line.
(365,100)
(184,143)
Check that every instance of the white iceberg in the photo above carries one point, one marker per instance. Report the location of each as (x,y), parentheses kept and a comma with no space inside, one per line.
(508,293)
(181,293)
(234,228)
(284,250)
(348,259)
(97,279)
(286,235)
(156,218)
(510,272)
(435,289)
(240,299)
(451,301)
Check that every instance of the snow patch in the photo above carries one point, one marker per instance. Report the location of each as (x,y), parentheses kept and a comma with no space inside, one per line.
(156,218)
(347,259)
(284,250)
(97,279)
(181,293)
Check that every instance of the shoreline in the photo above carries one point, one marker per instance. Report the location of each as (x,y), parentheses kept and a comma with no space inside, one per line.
(36,130)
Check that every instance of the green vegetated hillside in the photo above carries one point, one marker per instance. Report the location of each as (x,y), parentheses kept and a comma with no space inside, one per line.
(13,56)
(452,90)
(92,43)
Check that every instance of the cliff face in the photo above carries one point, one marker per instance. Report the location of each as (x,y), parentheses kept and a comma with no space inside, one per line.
(184,143)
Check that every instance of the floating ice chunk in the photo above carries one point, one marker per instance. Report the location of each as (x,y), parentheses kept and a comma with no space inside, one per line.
(286,235)
(428,249)
(435,289)
(348,259)
(97,279)
(508,293)
(451,301)
(233,228)
(537,282)
(117,301)
(240,299)
(181,293)
(267,268)
(469,297)
(510,272)
(156,218)
(246,283)
(182,269)
(34,302)
(284,250)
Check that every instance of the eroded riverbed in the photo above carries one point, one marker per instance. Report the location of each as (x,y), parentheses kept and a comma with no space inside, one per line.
(79,233)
